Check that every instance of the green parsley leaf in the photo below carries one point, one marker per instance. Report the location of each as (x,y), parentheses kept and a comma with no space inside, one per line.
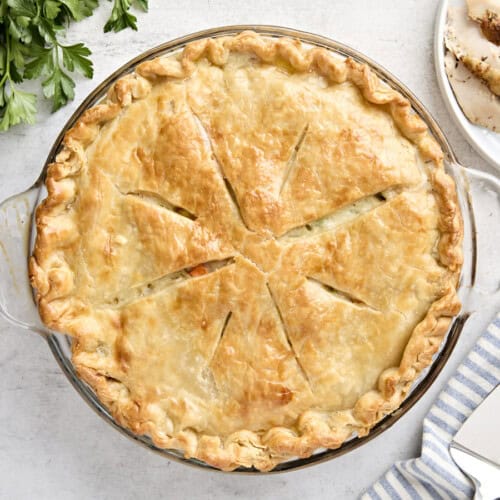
(80,9)
(47,30)
(20,107)
(15,74)
(51,8)
(18,29)
(143,4)
(120,17)
(22,8)
(17,53)
(58,87)
(75,58)
(41,64)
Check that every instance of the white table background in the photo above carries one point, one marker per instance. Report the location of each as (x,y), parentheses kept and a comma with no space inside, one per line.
(52,446)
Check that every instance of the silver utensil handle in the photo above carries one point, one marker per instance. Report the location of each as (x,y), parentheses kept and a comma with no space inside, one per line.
(482,494)
(487,491)
(483,474)
(17,304)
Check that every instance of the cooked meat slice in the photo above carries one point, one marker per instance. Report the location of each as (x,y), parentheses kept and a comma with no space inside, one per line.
(464,38)
(479,105)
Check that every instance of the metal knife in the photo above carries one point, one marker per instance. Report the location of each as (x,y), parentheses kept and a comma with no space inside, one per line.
(476,447)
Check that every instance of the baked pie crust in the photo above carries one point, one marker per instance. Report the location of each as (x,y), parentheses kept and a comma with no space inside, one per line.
(255,247)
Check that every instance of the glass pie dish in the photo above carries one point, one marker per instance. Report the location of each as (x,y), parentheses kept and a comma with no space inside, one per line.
(16,300)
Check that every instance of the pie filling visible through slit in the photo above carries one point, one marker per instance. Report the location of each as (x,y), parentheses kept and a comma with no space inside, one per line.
(255,247)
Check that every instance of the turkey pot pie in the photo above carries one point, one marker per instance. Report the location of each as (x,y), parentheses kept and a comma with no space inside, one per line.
(254,246)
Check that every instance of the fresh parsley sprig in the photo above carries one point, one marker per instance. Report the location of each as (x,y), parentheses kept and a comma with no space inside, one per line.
(121,18)
(30,48)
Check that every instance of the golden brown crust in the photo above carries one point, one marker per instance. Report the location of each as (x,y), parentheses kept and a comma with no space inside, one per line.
(420,209)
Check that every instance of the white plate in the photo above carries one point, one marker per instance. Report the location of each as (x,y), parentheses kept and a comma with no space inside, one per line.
(484,141)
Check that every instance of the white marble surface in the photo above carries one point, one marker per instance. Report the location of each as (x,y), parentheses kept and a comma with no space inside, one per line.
(52,446)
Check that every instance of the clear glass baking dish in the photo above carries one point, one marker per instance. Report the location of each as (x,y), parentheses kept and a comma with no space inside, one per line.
(481,247)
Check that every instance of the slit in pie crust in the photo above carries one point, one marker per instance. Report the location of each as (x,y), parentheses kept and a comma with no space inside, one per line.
(255,247)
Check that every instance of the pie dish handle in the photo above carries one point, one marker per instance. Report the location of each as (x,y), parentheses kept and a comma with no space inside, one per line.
(480,193)
(17,304)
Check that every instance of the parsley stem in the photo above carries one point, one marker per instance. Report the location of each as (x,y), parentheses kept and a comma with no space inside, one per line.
(7,60)
(56,52)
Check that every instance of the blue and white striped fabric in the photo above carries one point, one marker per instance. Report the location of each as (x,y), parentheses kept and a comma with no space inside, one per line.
(434,474)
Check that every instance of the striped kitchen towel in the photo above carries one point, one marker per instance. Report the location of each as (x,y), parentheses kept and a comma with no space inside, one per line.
(434,474)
